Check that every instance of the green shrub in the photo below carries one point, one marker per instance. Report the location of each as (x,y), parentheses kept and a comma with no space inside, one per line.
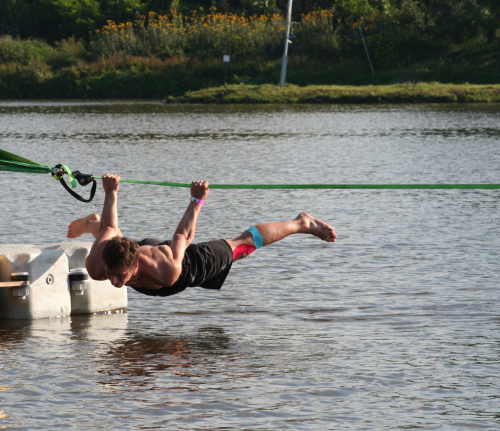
(24,51)
(68,52)
(23,81)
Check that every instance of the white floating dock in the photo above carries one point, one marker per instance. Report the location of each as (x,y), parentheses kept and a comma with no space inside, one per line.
(51,280)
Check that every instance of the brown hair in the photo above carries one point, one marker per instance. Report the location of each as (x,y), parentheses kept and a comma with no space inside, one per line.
(121,252)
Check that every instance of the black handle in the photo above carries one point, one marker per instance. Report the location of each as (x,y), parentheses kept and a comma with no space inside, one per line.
(76,195)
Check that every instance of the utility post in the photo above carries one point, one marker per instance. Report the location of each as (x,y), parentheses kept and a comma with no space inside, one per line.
(225,59)
(287,41)
(366,49)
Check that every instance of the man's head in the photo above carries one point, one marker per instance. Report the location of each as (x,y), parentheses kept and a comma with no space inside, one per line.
(120,257)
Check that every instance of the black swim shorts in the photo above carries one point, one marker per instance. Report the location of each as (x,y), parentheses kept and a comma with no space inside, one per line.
(206,264)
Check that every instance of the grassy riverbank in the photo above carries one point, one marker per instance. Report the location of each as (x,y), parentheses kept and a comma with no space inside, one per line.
(175,56)
(199,81)
(159,50)
(398,93)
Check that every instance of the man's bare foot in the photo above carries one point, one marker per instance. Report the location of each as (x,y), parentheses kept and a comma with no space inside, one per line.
(82,225)
(316,227)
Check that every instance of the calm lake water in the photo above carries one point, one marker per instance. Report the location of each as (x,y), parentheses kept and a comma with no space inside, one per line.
(395,326)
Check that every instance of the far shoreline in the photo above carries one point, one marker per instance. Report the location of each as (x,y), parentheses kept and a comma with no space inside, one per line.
(343,94)
(403,93)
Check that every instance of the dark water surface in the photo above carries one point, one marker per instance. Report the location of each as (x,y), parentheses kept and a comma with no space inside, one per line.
(395,326)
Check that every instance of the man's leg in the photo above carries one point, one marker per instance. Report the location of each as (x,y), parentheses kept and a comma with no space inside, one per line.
(90,224)
(273,232)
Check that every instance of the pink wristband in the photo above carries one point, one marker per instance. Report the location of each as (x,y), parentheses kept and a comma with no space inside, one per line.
(198,201)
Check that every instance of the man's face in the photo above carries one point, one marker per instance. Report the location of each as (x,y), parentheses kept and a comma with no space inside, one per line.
(119,276)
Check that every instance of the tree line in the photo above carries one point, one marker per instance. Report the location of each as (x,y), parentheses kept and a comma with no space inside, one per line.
(432,21)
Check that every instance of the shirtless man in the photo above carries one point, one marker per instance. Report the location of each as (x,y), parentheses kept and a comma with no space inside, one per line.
(159,268)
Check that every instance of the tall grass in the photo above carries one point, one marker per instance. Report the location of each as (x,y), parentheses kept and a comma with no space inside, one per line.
(212,35)
(14,50)
(66,53)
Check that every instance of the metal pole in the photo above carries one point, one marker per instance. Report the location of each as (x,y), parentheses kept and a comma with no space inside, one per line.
(225,59)
(366,49)
(287,41)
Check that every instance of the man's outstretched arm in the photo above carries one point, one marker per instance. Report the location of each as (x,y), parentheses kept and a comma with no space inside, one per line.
(185,232)
(109,227)
(109,217)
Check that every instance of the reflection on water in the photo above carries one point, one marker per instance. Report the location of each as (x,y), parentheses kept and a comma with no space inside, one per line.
(395,326)
(145,356)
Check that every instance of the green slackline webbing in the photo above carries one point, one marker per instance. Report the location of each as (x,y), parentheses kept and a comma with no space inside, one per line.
(323,186)
(18,167)
(15,158)
(14,163)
